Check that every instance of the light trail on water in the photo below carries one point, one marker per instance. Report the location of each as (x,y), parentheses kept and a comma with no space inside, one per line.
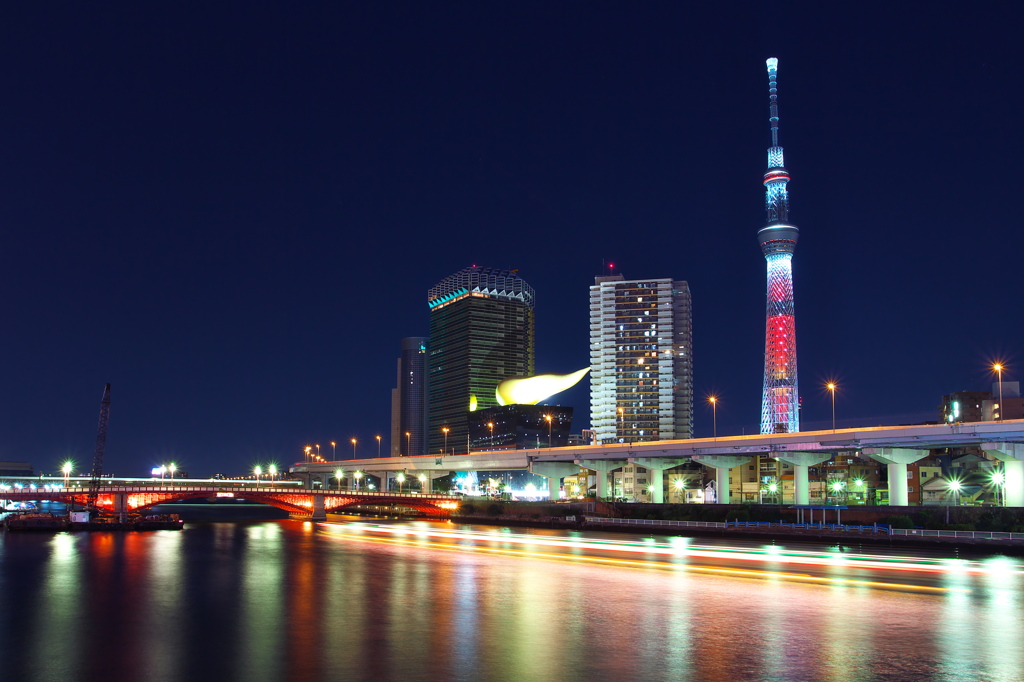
(681,554)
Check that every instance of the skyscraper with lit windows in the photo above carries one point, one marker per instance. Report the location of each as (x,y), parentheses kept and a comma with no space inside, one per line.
(641,377)
(481,333)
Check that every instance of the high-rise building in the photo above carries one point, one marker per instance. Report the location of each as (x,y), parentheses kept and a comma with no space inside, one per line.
(780,400)
(641,357)
(481,332)
(409,400)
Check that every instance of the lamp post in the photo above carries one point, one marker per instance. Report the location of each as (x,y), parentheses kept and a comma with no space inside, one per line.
(956,487)
(172,467)
(622,424)
(258,471)
(490,425)
(378,447)
(547,418)
(998,367)
(714,414)
(318,452)
(680,486)
(444,430)
(163,470)
(272,472)
(423,483)
(401,481)
(999,478)
(353,448)
(307,450)
(408,444)
(831,386)
(357,475)
(66,469)
(337,477)
(334,451)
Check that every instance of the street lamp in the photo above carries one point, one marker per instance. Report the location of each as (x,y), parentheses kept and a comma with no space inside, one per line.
(547,418)
(337,477)
(172,468)
(831,386)
(998,368)
(956,486)
(308,450)
(258,470)
(622,424)
(318,452)
(423,483)
(66,469)
(334,451)
(163,470)
(378,447)
(444,429)
(408,444)
(714,414)
(401,481)
(357,475)
(999,478)
(490,425)
(680,486)
(353,448)
(272,472)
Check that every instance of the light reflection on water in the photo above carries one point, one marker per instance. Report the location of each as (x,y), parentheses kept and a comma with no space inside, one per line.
(281,600)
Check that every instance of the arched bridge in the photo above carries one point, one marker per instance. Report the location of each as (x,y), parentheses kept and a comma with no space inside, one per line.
(308,503)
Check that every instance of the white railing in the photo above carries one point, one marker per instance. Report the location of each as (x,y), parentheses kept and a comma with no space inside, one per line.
(970,534)
(656,522)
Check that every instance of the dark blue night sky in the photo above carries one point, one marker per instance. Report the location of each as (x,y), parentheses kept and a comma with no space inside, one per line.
(233,211)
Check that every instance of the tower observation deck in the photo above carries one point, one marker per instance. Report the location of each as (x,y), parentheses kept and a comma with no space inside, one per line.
(780,399)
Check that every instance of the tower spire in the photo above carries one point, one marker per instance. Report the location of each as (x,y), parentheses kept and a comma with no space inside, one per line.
(780,399)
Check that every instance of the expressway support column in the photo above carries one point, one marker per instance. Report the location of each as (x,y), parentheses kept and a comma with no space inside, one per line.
(602,467)
(1012,457)
(657,466)
(554,472)
(722,464)
(897,460)
(319,510)
(801,461)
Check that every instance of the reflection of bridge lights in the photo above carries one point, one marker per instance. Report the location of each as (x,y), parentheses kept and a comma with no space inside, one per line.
(448,505)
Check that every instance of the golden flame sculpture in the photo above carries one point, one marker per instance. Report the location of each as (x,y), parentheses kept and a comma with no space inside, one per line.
(532,390)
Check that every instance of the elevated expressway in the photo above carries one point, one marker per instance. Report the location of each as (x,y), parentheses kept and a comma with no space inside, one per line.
(894,446)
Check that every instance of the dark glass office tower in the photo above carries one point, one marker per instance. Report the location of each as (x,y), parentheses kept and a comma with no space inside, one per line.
(409,400)
(481,332)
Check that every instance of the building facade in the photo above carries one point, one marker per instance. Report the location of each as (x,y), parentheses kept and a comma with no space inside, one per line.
(481,332)
(409,400)
(519,427)
(641,356)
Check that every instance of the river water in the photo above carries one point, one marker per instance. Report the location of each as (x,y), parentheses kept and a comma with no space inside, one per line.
(404,600)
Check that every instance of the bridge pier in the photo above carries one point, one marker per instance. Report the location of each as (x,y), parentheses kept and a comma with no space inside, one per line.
(722,464)
(1012,457)
(602,467)
(801,461)
(657,467)
(319,510)
(897,460)
(554,472)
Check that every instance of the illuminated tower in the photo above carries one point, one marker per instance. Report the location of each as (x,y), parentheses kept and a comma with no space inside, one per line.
(780,400)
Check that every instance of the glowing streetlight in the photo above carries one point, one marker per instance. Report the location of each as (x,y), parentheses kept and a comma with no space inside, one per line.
(401,481)
(337,477)
(547,418)
(408,444)
(622,423)
(378,447)
(66,469)
(999,478)
(490,425)
(423,483)
(444,429)
(308,452)
(172,467)
(714,414)
(318,452)
(334,451)
(357,476)
(353,448)
(998,369)
(831,386)
(680,485)
(258,471)
(163,470)
(272,472)
(650,491)
(955,486)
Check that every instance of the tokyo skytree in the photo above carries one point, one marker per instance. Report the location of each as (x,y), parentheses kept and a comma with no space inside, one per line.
(780,400)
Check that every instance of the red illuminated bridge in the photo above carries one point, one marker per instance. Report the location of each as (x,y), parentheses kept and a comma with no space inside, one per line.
(300,502)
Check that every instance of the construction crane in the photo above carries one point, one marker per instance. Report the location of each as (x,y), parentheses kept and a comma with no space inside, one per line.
(101,445)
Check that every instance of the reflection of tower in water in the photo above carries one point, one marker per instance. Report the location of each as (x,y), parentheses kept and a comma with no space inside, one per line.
(780,399)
